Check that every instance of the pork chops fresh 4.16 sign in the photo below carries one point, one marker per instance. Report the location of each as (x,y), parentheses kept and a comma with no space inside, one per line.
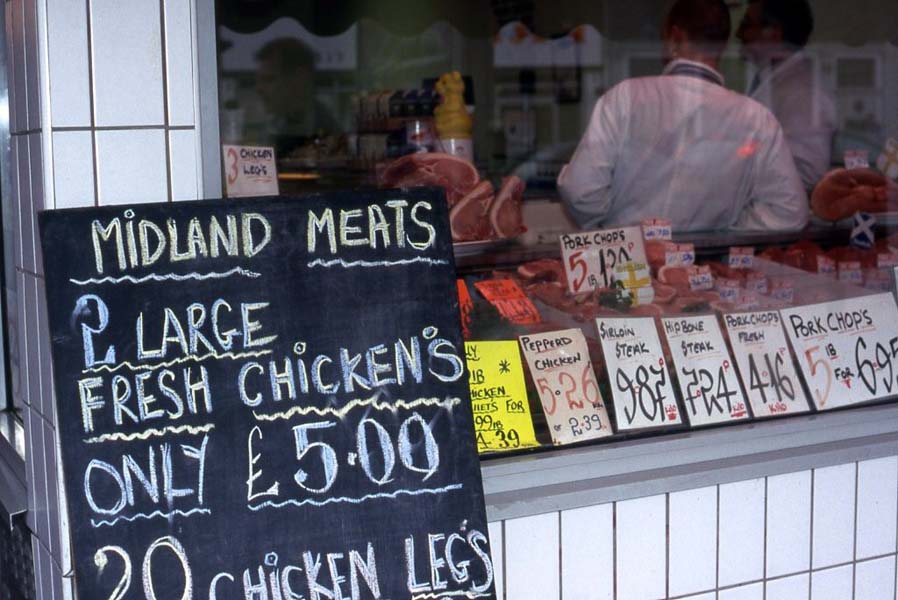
(265,398)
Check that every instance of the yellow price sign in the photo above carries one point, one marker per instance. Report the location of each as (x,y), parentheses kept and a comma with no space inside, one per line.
(499,397)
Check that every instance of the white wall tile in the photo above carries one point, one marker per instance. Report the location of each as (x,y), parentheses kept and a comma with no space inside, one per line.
(37,556)
(16,197)
(755,591)
(38,485)
(131,166)
(32,65)
(46,371)
(833,535)
(496,541)
(52,493)
(587,553)
(36,158)
(741,533)
(73,169)
(179,56)
(185,175)
(11,49)
(24,340)
(788,523)
(45,574)
(531,557)
(708,596)
(15,23)
(127,62)
(68,63)
(877,506)
(641,553)
(875,579)
(35,339)
(26,235)
(789,588)
(29,415)
(832,584)
(693,541)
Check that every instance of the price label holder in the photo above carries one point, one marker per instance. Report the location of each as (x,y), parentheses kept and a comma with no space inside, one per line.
(850,272)
(510,300)
(741,257)
(705,373)
(502,418)
(679,255)
(590,257)
(640,385)
(700,278)
(847,350)
(566,383)
(657,229)
(250,171)
(765,364)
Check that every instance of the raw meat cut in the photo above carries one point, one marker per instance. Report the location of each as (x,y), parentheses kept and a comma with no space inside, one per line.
(544,269)
(506,219)
(455,175)
(468,218)
(843,192)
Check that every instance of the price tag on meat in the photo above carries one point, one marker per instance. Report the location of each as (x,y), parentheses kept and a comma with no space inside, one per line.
(560,368)
(656,229)
(679,255)
(498,396)
(590,257)
(847,349)
(741,257)
(762,356)
(640,386)
(705,371)
(509,299)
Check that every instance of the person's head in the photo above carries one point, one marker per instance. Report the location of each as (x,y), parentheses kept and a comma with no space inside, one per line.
(285,75)
(772,28)
(696,30)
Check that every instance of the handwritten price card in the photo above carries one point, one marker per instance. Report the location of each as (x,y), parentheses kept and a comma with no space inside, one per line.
(590,257)
(705,371)
(640,386)
(560,368)
(763,358)
(847,350)
(250,171)
(498,396)
(509,299)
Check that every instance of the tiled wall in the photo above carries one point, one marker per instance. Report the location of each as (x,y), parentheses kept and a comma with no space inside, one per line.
(103,110)
(824,534)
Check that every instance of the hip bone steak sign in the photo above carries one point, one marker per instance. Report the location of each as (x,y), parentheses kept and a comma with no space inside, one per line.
(265,399)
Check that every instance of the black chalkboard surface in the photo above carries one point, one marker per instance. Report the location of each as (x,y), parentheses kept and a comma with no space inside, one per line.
(265,398)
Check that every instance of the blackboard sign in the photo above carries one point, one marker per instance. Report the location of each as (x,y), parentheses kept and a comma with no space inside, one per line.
(265,398)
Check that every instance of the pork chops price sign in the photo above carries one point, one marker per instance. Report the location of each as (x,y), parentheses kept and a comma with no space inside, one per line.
(265,398)
(765,364)
(590,257)
(847,350)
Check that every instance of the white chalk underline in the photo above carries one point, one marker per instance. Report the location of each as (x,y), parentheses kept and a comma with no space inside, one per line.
(339,262)
(342,499)
(168,277)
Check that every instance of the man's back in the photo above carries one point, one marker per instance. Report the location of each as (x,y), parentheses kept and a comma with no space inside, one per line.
(684,148)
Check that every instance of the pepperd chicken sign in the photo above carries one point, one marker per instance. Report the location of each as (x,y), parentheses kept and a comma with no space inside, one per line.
(265,398)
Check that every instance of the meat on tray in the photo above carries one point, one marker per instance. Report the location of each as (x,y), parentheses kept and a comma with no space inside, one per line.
(843,192)
(477,212)
(455,175)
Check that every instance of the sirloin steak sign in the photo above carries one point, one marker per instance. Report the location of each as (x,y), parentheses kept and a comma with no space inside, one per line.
(265,399)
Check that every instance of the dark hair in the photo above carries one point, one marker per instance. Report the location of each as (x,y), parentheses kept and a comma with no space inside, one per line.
(706,22)
(288,54)
(794,17)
